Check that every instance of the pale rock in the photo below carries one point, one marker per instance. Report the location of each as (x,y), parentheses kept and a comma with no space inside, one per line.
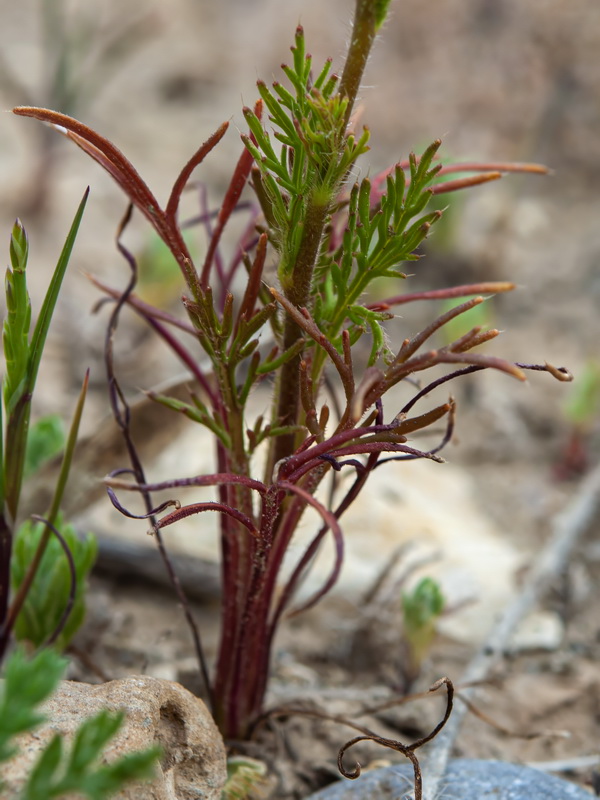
(435,507)
(193,766)
(542,630)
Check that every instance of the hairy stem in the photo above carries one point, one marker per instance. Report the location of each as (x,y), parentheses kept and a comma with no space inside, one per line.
(364,29)
(297,283)
(297,290)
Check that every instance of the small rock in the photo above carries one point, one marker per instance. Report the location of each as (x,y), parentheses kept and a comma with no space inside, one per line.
(193,766)
(465,779)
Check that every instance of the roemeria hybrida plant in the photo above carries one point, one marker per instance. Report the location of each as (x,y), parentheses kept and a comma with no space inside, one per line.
(330,237)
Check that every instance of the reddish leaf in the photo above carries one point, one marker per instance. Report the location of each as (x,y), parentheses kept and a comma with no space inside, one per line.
(106,154)
(184,175)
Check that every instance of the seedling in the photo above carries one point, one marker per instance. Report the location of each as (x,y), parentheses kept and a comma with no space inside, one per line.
(331,238)
(245,778)
(421,609)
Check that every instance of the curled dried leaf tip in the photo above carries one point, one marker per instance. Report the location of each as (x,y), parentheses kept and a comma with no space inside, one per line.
(407,750)
(560,373)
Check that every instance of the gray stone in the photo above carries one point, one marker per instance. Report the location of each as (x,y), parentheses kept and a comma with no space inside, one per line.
(466,779)
(158,712)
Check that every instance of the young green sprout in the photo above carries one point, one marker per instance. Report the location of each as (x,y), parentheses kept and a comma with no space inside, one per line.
(421,608)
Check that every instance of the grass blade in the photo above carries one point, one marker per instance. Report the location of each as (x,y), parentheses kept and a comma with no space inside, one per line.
(43,323)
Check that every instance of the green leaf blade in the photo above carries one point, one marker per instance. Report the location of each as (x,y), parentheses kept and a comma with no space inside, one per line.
(43,323)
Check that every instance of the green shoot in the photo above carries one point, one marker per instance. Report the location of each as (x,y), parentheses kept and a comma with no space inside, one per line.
(244,776)
(421,609)
(22,355)
(20,453)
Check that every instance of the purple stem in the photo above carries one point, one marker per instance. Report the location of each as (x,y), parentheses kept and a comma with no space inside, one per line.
(216,479)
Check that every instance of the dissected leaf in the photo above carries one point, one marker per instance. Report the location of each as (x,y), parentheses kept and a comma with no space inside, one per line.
(49,592)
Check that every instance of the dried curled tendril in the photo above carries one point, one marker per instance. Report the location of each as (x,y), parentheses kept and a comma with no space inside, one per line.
(407,750)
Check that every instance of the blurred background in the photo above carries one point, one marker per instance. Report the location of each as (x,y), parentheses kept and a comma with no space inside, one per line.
(497,80)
